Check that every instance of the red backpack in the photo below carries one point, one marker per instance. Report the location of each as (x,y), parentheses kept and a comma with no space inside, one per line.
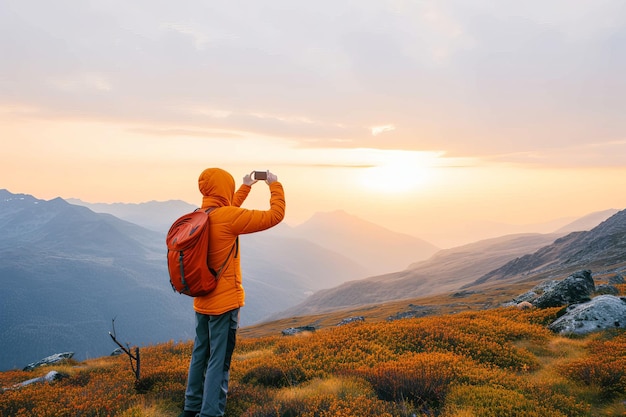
(188,255)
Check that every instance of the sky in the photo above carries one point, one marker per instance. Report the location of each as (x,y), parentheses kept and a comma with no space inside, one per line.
(449,120)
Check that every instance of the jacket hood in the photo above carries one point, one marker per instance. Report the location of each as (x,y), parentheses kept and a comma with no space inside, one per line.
(217,187)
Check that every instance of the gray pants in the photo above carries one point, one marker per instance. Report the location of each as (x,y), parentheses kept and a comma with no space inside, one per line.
(207,382)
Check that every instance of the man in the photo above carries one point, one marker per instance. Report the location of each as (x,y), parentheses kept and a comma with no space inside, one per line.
(217,314)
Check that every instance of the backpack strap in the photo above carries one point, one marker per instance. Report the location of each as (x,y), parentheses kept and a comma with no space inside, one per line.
(219,271)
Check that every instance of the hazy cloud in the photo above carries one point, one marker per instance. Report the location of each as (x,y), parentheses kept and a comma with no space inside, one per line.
(84,82)
(484,77)
(377,130)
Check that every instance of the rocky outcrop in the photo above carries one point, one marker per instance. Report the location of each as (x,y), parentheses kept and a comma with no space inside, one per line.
(582,313)
(607,289)
(57,357)
(351,320)
(537,290)
(603,312)
(413,312)
(576,288)
(603,246)
(296,330)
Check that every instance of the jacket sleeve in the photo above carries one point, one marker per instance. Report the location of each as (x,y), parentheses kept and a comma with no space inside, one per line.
(250,221)
(241,195)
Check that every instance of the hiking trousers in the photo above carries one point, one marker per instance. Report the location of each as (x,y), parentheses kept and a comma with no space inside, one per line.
(207,382)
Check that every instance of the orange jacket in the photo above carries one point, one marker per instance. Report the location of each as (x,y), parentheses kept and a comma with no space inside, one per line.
(227,222)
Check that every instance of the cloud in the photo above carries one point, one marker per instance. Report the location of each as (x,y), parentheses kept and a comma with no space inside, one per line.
(610,153)
(82,82)
(200,39)
(377,130)
(473,78)
(210,112)
(181,132)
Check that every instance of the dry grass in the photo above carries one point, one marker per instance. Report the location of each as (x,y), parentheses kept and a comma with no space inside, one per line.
(466,359)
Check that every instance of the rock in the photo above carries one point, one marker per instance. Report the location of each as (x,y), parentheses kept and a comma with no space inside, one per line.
(576,288)
(546,286)
(351,320)
(607,289)
(296,330)
(524,305)
(117,352)
(415,311)
(535,292)
(603,312)
(57,357)
(526,297)
(49,377)
(617,279)
(463,293)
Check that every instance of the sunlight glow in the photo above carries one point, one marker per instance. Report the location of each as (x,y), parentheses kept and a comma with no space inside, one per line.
(398,172)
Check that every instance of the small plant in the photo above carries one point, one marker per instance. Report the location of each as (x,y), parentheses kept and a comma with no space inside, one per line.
(135,359)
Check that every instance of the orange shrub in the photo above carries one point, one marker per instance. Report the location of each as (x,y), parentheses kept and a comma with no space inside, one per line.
(97,391)
(604,366)
(322,405)
(422,378)
(494,401)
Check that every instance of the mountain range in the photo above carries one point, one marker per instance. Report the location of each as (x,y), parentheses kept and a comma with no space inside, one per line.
(447,270)
(508,259)
(601,248)
(67,271)
(377,250)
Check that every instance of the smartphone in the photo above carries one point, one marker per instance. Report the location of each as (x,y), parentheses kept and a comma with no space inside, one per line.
(260,175)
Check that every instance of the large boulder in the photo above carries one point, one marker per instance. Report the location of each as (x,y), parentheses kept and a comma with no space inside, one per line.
(602,312)
(49,360)
(607,289)
(531,295)
(577,288)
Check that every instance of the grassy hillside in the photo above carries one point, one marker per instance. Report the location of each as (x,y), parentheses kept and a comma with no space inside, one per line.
(468,362)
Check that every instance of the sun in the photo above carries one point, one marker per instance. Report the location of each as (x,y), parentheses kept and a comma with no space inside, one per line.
(397,173)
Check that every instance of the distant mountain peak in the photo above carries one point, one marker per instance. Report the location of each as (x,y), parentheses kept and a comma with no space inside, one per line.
(334,216)
(378,249)
(341,221)
(6,195)
(587,222)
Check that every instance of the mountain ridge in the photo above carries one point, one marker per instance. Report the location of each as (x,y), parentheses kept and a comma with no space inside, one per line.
(603,245)
(447,270)
(460,268)
(360,241)
(67,272)
(80,269)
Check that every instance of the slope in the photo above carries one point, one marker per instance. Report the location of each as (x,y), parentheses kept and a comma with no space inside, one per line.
(603,247)
(66,272)
(446,271)
(153,215)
